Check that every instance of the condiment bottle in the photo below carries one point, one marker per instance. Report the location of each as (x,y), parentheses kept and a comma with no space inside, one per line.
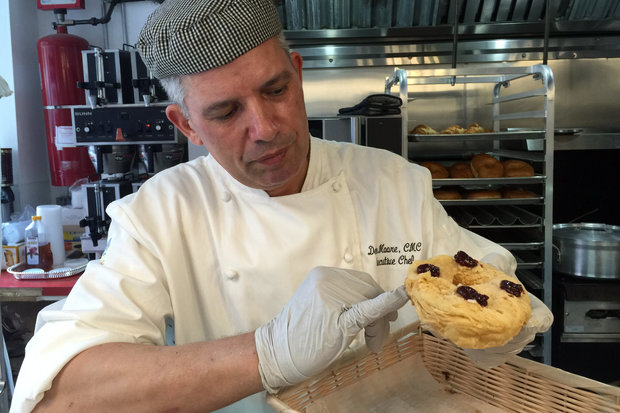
(38,248)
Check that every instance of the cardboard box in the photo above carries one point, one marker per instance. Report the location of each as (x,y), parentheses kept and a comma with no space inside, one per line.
(13,254)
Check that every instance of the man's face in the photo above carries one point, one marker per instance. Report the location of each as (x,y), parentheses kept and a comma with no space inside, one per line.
(250,115)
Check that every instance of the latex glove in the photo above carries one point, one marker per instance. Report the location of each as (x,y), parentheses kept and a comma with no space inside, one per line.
(319,322)
(539,322)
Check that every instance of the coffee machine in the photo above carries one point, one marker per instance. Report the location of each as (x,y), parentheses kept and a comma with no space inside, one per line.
(128,135)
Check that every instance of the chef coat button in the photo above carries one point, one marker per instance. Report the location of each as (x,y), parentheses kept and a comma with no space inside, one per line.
(336,186)
(348,257)
(226,196)
(231,274)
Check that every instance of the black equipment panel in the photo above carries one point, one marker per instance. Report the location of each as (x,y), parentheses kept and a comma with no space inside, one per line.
(120,125)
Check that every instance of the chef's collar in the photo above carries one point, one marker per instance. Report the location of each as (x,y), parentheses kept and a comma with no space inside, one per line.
(313,178)
(312,175)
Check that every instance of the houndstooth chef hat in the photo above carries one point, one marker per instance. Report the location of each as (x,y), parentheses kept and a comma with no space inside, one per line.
(191,36)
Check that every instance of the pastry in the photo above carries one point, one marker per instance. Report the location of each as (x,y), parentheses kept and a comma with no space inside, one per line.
(514,167)
(460,170)
(453,129)
(486,166)
(446,194)
(483,194)
(475,128)
(438,171)
(423,130)
(471,303)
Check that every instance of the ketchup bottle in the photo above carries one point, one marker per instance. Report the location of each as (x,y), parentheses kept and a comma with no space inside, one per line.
(38,248)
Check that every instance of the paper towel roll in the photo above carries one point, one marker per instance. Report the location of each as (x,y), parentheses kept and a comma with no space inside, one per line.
(51,219)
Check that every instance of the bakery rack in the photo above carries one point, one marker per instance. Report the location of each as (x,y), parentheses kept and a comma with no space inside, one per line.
(517,102)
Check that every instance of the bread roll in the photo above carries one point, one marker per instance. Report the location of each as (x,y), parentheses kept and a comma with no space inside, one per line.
(453,129)
(486,166)
(460,170)
(475,128)
(423,130)
(447,194)
(515,167)
(438,171)
(483,194)
(517,193)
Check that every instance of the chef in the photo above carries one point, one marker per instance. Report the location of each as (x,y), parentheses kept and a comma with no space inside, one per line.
(252,268)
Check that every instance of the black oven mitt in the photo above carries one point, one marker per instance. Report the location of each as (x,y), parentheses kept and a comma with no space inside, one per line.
(375,105)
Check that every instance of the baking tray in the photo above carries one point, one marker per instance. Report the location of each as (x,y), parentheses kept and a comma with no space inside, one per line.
(493,201)
(417,372)
(490,181)
(69,268)
(493,216)
(445,137)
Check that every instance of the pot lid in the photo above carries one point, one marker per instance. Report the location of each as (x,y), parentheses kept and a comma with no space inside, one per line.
(588,232)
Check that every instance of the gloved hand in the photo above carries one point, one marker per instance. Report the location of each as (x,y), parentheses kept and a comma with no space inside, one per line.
(319,322)
(539,322)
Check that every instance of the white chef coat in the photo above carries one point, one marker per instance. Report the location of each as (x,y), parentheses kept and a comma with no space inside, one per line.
(218,258)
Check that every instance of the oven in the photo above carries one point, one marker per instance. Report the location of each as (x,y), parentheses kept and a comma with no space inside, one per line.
(586,265)
(586,330)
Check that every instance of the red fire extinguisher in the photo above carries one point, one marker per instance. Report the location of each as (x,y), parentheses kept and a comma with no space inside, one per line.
(60,63)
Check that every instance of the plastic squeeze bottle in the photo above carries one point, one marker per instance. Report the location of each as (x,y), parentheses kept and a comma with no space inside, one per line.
(38,249)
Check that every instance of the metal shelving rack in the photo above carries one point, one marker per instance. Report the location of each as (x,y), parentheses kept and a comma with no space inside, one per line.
(523,225)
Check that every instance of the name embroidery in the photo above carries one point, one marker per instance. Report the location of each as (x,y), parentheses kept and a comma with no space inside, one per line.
(394,254)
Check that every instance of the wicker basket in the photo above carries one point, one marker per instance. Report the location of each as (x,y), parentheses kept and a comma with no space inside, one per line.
(519,385)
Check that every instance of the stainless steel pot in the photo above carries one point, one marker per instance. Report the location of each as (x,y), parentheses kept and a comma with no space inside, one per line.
(587,250)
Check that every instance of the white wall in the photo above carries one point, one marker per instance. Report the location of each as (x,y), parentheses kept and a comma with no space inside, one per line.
(8,131)
(30,159)
(20,114)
